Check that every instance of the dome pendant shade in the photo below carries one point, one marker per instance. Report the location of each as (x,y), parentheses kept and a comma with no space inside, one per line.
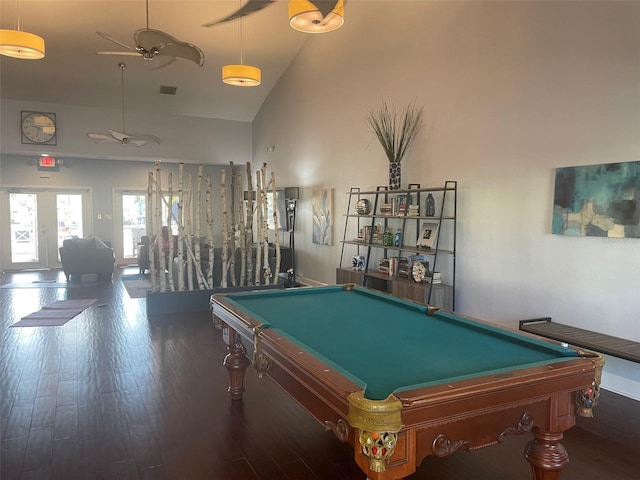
(305,17)
(241,75)
(19,44)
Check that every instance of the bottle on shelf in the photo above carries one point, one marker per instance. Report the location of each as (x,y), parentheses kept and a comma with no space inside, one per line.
(397,239)
(430,206)
(387,238)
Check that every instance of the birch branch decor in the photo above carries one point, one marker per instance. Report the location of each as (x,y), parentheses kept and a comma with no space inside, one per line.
(225,229)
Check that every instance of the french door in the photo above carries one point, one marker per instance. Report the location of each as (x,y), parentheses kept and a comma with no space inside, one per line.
(131,222)
(35,222)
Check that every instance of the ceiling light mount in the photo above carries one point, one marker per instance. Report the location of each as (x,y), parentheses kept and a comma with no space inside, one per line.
(307,17)
(19,44)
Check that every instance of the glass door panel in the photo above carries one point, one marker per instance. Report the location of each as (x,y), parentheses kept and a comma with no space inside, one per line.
(23,218)
(69,217)
(133,223)
(38,222)
(130,220)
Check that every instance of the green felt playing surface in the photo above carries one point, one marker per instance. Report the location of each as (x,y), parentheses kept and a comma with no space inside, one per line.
(389,344)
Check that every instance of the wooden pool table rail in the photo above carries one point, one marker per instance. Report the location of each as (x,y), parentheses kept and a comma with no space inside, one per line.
(437,420)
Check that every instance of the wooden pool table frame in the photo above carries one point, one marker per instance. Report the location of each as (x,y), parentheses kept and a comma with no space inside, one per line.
(435,420)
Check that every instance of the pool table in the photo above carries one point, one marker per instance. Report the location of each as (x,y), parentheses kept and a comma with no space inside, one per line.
(400,381)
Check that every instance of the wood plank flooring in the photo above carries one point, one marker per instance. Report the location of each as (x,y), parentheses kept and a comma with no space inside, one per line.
(112,395)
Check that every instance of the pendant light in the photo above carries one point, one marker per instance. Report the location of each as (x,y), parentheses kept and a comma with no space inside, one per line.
(241,75)
(19,44)
(305,17)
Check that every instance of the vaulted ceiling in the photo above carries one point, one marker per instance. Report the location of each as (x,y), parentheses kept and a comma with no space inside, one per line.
(73,73)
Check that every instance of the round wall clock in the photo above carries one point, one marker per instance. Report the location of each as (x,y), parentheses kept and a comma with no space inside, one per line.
(418,272)
(38,128)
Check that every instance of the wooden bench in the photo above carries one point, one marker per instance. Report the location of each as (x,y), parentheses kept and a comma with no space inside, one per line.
(599,342)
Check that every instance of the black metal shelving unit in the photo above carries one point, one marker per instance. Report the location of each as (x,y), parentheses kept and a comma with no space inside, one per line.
(441,255)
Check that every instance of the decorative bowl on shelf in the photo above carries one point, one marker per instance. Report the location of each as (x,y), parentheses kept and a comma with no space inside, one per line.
(363,207)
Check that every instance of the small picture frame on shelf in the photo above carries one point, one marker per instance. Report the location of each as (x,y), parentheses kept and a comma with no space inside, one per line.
(428,235)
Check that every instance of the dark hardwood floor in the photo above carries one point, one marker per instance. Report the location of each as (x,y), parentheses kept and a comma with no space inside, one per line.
(113,395)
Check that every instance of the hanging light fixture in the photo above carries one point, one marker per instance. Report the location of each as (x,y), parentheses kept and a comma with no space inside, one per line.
(306,17)
(19,44)
(241,75)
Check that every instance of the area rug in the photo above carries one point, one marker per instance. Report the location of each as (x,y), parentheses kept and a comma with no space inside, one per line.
(42,284)
(136,285)
(55,314)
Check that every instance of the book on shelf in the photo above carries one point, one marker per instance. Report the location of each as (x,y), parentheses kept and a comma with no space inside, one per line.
(386,209)
(404,204)
(388,266)
(404,268)
(433,277)
(414,211)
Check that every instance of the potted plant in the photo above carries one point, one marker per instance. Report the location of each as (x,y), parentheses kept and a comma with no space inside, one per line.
(395,132)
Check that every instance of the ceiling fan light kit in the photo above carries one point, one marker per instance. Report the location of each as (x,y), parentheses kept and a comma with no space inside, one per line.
(306,17)
(20,44)
(241,75)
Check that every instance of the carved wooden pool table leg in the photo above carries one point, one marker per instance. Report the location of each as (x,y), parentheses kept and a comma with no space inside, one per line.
(236,362)
(547,455)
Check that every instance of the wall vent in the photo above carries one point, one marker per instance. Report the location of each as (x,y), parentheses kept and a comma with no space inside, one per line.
(166,90)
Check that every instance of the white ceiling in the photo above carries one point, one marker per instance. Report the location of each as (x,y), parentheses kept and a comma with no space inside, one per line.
(72,73)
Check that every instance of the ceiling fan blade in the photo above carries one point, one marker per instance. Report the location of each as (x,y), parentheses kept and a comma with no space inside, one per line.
(148,38)
(143,137)
(111,39)
(248,8)
(182,50)
(127,138)
(99,137)
(137,143)
(132,54)
(325,6)
(161,61)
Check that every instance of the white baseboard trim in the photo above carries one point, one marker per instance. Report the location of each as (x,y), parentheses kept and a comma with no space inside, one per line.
(309,282)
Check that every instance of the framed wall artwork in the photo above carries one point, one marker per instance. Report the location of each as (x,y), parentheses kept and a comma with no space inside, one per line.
(322,201)
(597,200)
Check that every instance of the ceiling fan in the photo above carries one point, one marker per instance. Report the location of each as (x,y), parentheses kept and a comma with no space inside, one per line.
(152,44)
(252,6)
(122,137)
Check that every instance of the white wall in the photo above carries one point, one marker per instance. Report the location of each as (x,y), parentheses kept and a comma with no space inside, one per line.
(184,139)
(103,177)
(512,90)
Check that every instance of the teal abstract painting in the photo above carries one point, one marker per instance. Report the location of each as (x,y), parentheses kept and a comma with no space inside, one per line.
(597,200)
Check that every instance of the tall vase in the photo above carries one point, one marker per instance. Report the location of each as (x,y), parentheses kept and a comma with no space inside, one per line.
(394,175)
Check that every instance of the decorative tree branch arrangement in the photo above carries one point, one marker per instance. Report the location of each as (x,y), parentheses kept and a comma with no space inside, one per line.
(210,232)
(180,222)
(394,131)
(248,239)
(225,229)
(169,261)
(238,215)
